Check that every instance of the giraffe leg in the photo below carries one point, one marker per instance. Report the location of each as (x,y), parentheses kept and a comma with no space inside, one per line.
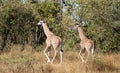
(88,54)
(89,51)
(61,52)
(48,59)
(54,56)
(82,51)
(80,54)
(61,56)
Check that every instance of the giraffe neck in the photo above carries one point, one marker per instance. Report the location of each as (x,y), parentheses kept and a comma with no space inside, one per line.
(81,34)
(46,30)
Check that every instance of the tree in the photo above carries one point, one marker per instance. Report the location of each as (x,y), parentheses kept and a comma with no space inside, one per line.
(99,16)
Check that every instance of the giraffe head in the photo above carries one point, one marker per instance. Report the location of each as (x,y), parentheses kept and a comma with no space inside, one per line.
(40,22)
(76,27)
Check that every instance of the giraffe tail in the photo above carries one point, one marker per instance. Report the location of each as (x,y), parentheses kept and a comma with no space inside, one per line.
(61,50)
(60,47)
(92,50)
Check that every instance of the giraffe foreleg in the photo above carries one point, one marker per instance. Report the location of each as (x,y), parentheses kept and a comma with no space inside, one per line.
(48,59)
(81,56)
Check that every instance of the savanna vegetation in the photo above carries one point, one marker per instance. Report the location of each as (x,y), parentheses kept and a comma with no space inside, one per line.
(22,42)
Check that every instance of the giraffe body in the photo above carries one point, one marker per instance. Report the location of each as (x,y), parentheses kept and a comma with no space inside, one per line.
(52,40)
(85,44)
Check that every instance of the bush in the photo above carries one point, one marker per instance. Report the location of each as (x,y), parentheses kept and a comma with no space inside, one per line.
(17,24)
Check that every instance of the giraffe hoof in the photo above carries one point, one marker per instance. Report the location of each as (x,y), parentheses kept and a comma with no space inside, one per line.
(48,61)
(51,62)
(83,61)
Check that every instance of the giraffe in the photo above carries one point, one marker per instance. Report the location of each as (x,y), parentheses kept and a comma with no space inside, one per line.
(85,44)
(52,40)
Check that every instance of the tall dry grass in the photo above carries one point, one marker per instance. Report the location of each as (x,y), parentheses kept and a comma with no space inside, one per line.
(35,62)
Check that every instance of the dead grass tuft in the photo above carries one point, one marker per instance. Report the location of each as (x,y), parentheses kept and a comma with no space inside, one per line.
(35,62)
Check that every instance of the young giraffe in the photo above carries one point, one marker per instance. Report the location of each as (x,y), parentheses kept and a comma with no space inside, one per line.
(85,44)
(52,40)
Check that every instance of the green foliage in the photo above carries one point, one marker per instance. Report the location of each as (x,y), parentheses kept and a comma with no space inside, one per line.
(101,17)
(51,11)
(100,20)
(16,23)
(101,27)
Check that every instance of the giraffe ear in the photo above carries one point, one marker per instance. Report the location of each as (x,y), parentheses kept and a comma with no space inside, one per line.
(40,23)
(78,25)
(75,27)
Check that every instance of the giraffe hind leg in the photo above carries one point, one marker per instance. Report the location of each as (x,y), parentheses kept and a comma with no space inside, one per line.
(90,50)
(54,56)
(61,52)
